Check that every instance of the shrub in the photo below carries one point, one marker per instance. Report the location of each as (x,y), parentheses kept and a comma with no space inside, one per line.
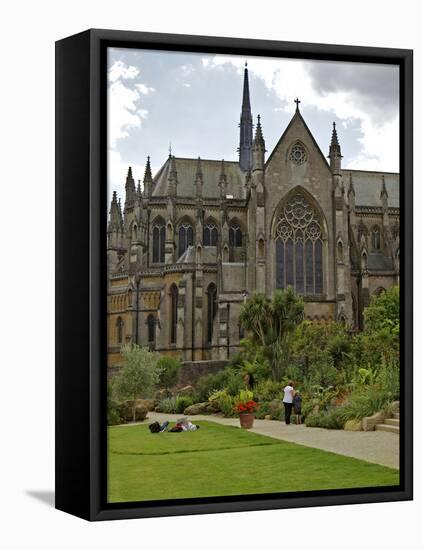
(331,420)
(168,405)
(113,410)
(170,368)
(365,402)
(113,413)
(226,404)
(263,410)
(223,379)
(268,390)
(276,409)
(138,376)
(182,402)
(235,383)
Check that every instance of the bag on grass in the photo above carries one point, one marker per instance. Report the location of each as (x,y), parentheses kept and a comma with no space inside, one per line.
(154,428)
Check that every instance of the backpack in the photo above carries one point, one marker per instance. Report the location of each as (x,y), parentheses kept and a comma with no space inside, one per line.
(154,427)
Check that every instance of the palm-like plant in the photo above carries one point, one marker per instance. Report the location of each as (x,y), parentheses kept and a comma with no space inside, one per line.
(271,322)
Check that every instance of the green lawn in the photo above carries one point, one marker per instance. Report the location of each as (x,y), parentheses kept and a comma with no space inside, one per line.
(223,460)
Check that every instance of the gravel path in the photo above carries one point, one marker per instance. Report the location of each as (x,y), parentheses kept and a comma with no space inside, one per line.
(377,447)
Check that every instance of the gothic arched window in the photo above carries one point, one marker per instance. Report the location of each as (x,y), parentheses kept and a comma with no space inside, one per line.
(299,247)
(211,310)
(340,252)
(376,238)
(173,313)
(119,329)
(159,239)
(235,235)
(151,329)
(186,237)
(210,234)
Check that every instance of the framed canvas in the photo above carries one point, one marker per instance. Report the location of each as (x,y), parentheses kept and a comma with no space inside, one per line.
(230,331)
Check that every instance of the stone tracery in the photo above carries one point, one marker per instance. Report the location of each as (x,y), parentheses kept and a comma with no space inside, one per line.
(299,247)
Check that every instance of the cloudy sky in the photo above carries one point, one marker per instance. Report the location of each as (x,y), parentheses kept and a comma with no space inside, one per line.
(193,102)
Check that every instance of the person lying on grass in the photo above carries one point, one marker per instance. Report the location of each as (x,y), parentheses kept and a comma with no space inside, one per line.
(182,425)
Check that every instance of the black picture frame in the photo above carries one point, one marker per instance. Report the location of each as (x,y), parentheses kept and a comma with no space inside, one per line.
(81,209)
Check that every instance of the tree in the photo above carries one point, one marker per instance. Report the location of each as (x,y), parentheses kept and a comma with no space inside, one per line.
(139,374)
(271,322)
(380,338)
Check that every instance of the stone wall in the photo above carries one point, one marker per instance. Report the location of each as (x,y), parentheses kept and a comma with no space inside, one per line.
(191,371)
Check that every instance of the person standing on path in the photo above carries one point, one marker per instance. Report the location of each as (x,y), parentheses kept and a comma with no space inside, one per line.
(297,406)
(287,401)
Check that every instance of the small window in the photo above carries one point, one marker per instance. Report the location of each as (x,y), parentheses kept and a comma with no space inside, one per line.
(159,239)
(151,328)
(235,236)
(210,234)
(173,313)
(261,248)
(119,329)
(211,310)
(376,238)
(186,238)
(340,252)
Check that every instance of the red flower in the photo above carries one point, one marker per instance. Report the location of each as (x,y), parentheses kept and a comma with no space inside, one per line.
(248,407)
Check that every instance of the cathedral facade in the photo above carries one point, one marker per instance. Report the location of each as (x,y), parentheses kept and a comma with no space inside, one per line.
(186,251)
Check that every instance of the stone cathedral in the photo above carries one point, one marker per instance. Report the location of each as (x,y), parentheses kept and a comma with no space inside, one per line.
(203,235)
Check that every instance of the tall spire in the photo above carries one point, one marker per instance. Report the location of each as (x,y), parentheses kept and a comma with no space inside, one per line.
(173,176)
(384,194)
(258,139)
(115,217)
(335,155)
(246,127)
(259,147)
(129,188)
(148,179)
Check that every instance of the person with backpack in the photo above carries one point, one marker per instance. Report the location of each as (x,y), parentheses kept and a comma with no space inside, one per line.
(156,427)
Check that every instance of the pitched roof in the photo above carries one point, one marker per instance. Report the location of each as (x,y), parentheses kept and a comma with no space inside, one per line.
(297,116)
(368,185)
(379,262)
(186,170)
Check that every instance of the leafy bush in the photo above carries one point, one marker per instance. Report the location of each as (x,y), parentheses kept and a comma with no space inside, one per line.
(113,413)
(235,383)
(267,390)
(276,409)
(365,402)
(331,420)
(222,401)
(170,368)
(209,383)
(182,402)
(168,405)
(227,379)
(226,404)
(263,410)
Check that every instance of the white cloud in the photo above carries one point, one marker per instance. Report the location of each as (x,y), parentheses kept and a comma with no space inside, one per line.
(291,78)
(120,70)
(143,89)
(124,114)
